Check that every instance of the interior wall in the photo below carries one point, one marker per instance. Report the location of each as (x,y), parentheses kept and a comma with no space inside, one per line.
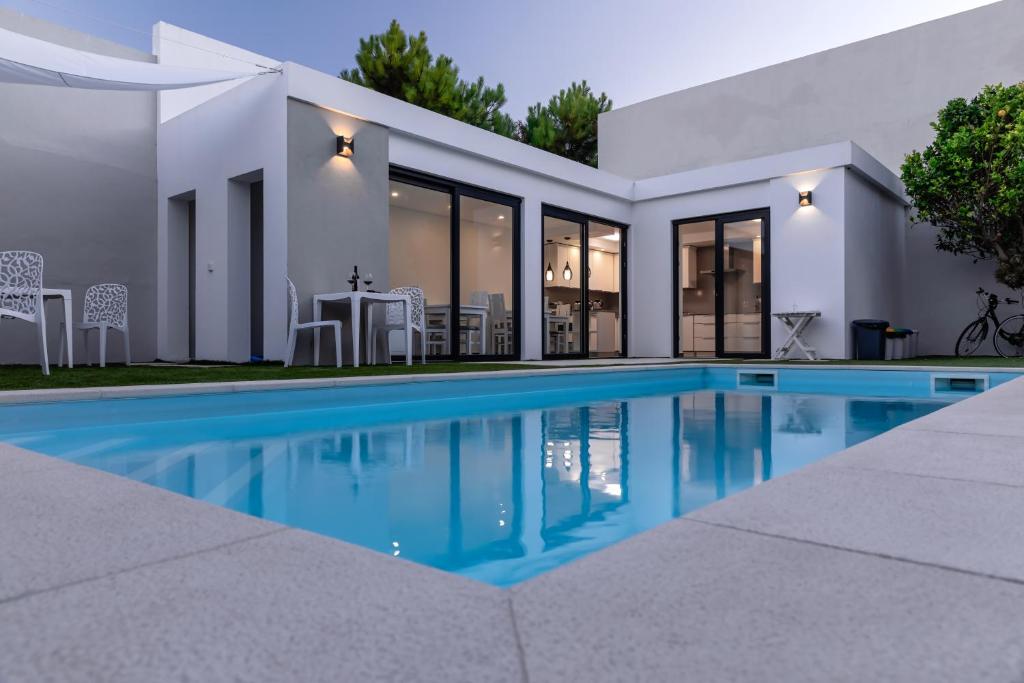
(78,185)
(486,262)
(419,253)
(337,210)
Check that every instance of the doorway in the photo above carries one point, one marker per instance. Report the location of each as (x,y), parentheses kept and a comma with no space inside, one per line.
(722,285)
(583,262)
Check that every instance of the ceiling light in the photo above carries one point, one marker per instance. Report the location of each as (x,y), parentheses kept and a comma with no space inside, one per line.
(549,274)
(567,272)
(501,218)
(394,194)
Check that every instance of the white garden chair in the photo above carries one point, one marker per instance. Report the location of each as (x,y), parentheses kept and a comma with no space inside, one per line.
(394,320)
(294,326)
(21,294)
(106,308)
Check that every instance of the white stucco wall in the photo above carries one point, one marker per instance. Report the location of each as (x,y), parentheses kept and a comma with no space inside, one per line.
(200,150)
(881,93)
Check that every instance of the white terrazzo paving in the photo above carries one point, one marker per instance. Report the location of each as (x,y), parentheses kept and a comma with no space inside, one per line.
(901,559)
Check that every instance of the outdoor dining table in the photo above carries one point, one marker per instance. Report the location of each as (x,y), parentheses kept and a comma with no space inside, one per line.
(356,301)
(468,311)
(50,293)
(796,322)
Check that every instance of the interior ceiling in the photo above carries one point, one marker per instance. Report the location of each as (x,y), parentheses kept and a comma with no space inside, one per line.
(702,234)
(560,231)
(437,203)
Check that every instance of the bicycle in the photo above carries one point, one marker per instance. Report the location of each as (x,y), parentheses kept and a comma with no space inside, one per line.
(1008,338)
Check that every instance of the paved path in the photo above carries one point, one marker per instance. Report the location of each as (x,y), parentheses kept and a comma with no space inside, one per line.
(900,559)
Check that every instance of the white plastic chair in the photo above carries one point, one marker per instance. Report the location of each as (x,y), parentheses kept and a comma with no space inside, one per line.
(21,294)
(294,326)
(394,320)
(501,325)
(106,308)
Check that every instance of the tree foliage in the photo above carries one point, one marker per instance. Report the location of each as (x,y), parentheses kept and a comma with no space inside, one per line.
(402,66)
(970,181)
(567,124)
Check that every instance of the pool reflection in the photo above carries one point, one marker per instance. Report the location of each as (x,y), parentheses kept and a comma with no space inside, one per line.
(504,497)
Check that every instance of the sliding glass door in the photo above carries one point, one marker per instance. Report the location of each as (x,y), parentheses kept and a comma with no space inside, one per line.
(722,286)
(460,244)
(583,265)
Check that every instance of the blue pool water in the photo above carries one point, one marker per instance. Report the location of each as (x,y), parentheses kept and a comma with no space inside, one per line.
(498,480)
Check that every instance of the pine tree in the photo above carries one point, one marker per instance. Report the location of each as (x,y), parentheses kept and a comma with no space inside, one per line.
(567,125)
(402,66)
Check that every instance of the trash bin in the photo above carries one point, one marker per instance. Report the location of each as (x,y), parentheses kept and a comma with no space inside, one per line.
(869,339)
(896,341)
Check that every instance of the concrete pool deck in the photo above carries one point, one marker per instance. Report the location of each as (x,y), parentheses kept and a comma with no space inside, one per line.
(899,559)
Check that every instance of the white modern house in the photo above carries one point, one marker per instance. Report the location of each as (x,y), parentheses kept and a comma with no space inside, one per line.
(712,209)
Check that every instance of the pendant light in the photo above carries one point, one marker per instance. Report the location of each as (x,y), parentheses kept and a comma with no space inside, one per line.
(549,274)
(567,272)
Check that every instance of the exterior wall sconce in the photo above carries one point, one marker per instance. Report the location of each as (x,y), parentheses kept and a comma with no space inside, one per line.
(346,146)
(549,274)
(567,272)
(805,198)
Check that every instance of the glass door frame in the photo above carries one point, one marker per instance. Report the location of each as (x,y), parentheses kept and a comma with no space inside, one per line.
(584,220)
(457,190)
(720,220)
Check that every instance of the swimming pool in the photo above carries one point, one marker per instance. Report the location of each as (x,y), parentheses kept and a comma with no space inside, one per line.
(497,479)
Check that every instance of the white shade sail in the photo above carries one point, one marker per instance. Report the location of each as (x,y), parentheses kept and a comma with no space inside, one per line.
(24,59)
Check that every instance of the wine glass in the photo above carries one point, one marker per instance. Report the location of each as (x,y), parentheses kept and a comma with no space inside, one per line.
(368,280)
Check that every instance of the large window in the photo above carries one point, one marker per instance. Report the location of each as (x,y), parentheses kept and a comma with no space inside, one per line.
(722,285)
(458,244)
(584,311)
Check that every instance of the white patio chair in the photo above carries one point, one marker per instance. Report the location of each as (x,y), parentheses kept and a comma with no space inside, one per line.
(21,294)
(294,326)
(106,308)
(394,320)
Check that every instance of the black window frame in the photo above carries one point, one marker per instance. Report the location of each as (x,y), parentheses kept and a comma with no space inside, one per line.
(720,220)
(584,219)
(456,190)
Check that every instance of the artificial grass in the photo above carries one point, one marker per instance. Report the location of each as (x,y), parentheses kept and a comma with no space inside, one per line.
(14,377)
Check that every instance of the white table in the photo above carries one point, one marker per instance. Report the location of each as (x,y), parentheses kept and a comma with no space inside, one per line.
(796,322)
(356,301)
(471,311)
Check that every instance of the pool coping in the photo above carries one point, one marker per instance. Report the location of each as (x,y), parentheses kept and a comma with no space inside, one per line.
(26,396)
(775,583)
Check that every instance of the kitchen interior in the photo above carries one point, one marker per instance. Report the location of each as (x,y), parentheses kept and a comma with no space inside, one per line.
(563,305)
(741,287)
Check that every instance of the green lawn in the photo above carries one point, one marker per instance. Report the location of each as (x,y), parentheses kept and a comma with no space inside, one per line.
(29,377)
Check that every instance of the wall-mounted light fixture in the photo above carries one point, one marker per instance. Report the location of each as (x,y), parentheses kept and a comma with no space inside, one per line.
(805,198)
(549,274)
(567,272)
(346,146)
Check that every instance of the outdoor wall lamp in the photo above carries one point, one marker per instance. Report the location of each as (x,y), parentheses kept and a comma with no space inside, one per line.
(346,146)
(805,198)
(549,274)
(567,273)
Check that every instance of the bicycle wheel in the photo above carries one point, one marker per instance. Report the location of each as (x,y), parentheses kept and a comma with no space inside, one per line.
(1009,337)
(972,338)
